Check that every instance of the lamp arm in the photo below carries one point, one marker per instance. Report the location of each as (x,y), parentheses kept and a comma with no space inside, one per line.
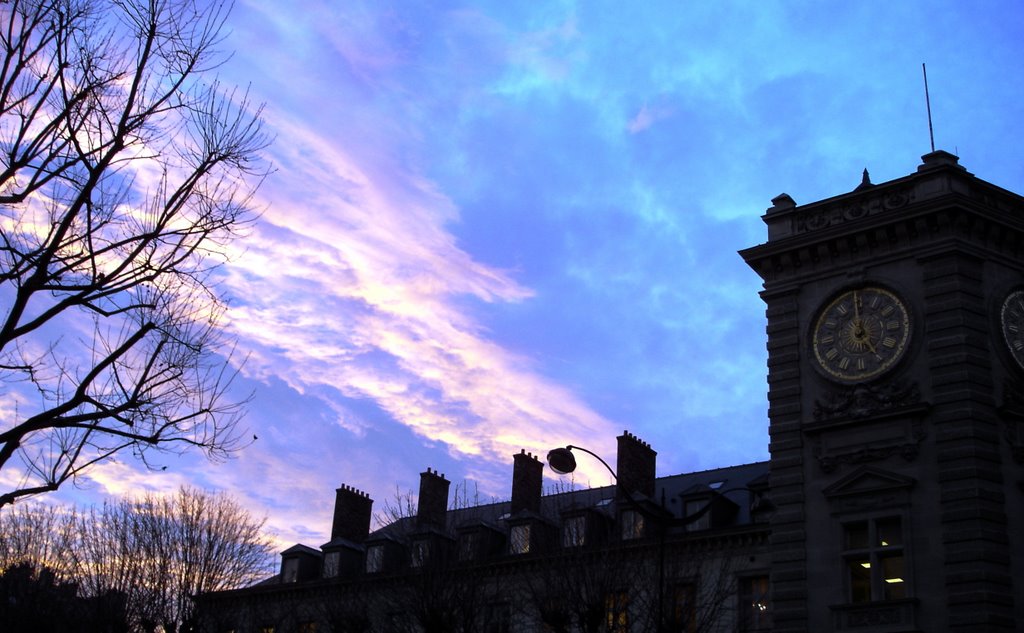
(595,456)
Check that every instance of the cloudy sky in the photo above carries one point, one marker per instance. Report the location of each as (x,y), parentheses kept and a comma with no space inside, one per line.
(496,226)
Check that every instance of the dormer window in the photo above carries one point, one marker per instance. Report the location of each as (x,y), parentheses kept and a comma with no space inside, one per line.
(290,570)
(574,531)
(332,564)
(632,525)
(469,545)
(420,553)
(519,539)
(374,559)
(693,508)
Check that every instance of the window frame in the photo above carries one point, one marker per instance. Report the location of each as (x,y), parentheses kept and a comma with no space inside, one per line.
(574,531)
(754,602)
(873,586)
(632,523)
(374,559)
(520,539)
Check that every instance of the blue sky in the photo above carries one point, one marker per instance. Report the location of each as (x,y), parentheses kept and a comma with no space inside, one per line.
(495,226)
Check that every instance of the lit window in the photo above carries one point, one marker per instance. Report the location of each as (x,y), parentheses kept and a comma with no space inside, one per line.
(519,539)
(307,627)
(632,525)
(874,561)
(574,531)
(755,605)
(332,563)
(684,608)
(374,559)
(617,612)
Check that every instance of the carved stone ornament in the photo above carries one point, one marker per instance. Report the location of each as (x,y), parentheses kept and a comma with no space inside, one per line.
(907,450)
(840,212)
(867,423)
(863,401)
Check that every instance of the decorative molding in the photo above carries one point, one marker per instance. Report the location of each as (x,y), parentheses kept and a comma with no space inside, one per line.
(865,401)
(875,614)
(850,210)
(867,423)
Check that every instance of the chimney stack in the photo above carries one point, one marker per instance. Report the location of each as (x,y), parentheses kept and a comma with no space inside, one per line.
(527,482)
(352,512)
(433,500)
(636,465)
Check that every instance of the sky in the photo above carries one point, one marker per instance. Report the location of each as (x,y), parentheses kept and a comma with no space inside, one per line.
(495,226)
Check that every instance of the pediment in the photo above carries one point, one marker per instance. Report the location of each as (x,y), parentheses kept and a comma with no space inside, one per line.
(868,481)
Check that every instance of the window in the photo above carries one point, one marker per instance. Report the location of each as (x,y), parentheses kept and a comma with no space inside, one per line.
(469,544)
(755,604)
(873,557)
(420,553)
(332,564)
(519,539)
(684,608)
(632,525)
(307,627)
(374,559)
(290,570)
(616,606)
(694,508)
(574,531)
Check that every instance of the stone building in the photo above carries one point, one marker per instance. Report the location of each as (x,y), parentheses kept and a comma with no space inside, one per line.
(895,321)
(681,553)
(895,357)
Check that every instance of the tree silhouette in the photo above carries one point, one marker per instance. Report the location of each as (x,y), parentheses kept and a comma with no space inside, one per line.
(122,178)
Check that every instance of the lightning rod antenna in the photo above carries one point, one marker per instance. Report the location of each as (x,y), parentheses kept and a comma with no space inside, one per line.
(928,103)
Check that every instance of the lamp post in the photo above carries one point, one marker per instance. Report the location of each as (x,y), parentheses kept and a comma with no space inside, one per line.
(563,462)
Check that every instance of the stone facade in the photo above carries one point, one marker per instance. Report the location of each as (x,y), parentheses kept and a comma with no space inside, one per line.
(897,494)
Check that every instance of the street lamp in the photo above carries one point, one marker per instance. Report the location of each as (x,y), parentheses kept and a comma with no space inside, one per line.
(563,462)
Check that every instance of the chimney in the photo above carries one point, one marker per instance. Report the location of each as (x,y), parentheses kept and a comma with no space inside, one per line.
(527,482)
(433,500)
(352,511)
(636,465)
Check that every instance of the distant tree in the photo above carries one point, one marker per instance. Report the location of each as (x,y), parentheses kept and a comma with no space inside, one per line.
(155,553)
(162,550)
(122,177)
(40,537)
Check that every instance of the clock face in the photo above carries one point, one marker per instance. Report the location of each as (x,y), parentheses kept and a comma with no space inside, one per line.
(1012,317)
(861,334)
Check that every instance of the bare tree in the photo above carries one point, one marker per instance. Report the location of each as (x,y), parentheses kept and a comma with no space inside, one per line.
(156,552)
(38,536)
(122,178)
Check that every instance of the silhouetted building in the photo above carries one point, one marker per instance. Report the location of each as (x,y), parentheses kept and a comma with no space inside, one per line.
(896,415)
(600,558)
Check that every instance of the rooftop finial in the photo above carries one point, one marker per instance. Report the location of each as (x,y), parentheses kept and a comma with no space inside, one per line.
(865,181)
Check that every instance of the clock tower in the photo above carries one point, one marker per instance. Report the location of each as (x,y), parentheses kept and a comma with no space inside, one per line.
(896,404)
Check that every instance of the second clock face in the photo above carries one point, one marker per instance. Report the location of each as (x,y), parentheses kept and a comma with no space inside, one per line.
(861,334)
(1012,317)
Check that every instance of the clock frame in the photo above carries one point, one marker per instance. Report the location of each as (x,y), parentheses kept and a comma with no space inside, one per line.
(860,334)
(1011,319)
